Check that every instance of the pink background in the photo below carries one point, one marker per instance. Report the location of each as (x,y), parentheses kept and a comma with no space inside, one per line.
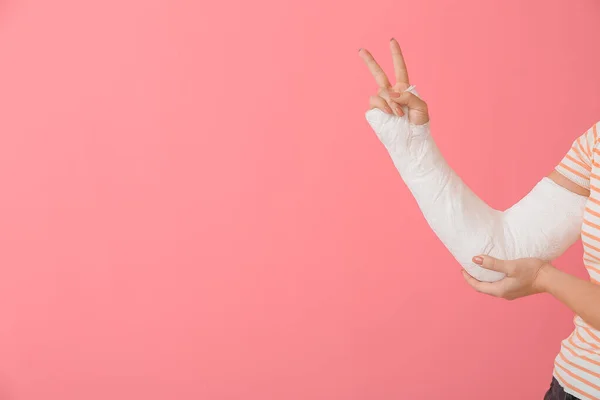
(193,206)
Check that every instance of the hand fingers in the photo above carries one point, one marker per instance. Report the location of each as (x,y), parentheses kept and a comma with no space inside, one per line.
(388,96)
(492,263)
(491,288)
(399,64)
(376,70)
(410,100)
(380,103)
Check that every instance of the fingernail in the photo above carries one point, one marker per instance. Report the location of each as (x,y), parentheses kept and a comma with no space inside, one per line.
(395,94)
(389,110)
(391,39)
(359,49)
(478,260)
(399,110)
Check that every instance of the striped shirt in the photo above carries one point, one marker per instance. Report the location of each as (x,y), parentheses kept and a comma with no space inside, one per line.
(577,366)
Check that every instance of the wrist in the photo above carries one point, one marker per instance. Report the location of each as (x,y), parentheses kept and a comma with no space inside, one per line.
(544,278)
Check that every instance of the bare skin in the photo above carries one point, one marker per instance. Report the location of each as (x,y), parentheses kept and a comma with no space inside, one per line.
(525,276)
(567,184)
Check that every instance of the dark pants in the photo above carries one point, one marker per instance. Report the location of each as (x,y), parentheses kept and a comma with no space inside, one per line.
(556,392)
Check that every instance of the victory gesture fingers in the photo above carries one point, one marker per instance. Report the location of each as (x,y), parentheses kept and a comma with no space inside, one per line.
(394,99)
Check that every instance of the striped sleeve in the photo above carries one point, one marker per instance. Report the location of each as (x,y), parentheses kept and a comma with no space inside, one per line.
(576,165)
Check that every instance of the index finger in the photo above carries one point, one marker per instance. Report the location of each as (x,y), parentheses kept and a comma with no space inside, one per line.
(399,63)
(492,263)
(376,70)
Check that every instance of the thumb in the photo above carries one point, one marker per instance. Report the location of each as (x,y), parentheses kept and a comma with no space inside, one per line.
(491,263)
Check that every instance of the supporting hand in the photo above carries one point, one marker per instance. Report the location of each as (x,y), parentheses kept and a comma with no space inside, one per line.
(521,277)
